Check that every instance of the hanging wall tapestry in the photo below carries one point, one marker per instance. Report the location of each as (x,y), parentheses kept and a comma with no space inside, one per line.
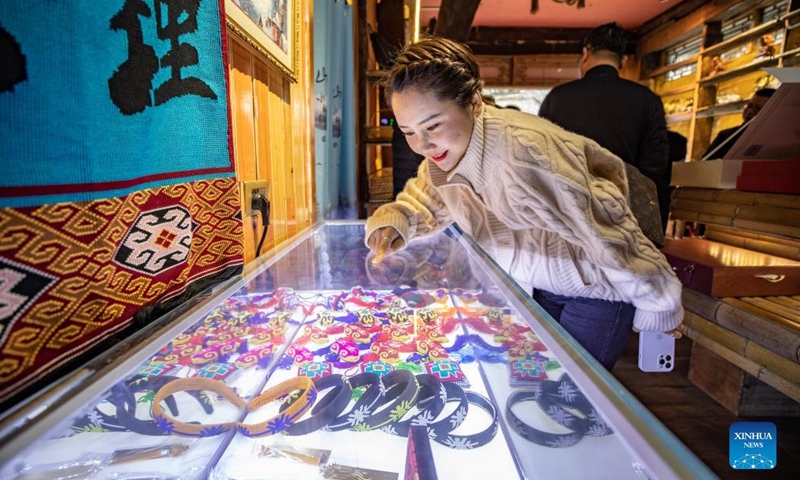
(270,27)
(334,117)
(117,185)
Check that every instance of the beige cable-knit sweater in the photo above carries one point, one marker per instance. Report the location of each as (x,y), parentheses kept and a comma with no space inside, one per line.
(550,207)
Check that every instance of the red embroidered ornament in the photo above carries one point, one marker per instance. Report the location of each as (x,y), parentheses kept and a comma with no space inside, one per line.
(299,354)
(357,334)
(346,349)
(254,356)
(261,337)
(386,351)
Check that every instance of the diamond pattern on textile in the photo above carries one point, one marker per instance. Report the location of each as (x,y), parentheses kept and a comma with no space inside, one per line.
(20,285)
(157,241)
(78,293)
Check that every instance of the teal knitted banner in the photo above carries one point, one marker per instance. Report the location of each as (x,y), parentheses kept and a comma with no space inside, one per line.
(100,99)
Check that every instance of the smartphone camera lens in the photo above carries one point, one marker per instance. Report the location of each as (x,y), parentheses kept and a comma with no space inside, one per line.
(668,365)
(661,361)
(669,357)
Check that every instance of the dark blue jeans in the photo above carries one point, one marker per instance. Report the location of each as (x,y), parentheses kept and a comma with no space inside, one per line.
(602,327)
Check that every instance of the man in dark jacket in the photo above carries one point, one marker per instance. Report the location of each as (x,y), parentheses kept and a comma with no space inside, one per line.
(622,116)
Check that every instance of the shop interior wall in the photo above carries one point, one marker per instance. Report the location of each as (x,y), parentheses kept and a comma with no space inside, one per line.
(273,139)
(740,76)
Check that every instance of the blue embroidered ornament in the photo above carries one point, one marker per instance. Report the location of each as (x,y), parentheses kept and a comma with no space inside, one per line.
(154,369)
(447,371)
(315,370)
(526,373)
(217,371)
(378,368)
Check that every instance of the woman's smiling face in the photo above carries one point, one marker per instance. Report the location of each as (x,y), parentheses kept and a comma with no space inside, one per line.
(437,129)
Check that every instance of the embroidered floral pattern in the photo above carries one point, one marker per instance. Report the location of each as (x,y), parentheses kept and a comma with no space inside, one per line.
(401,409)
(461,443)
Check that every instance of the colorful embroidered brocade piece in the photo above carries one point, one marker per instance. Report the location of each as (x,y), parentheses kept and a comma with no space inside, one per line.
(127,253)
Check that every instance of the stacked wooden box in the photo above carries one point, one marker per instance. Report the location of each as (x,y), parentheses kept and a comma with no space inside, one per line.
(769,213)
(746,351)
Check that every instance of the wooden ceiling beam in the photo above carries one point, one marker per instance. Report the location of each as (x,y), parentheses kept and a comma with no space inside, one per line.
(527,34)
(526,41)
(455,19)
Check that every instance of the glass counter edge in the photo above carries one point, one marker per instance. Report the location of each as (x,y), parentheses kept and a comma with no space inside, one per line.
(51,409)
(666,456)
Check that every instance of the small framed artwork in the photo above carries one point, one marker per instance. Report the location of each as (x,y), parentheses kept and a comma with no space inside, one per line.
(269,26)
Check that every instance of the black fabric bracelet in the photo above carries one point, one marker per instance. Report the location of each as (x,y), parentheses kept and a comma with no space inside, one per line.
(322,414)
(123,397)
(440,429)
(397,406)
(432,400)
(367,402)
(534,435)
(476,440)
(564,393)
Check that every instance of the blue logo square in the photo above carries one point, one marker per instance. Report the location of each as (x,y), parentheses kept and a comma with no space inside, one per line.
(753,446)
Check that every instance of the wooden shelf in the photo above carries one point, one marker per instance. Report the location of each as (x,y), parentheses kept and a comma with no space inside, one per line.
(791,16)
(679,117)
(717,110)
(791,61)
(790,53)
(668,68)
(739,77)
(379,141)
(742,37)
(676,91)
(751,67)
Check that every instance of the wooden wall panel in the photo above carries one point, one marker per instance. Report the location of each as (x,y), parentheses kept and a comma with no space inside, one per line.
(303,133)
(263,135)
(281,185)
(241,78)
(543,71)
(273,138)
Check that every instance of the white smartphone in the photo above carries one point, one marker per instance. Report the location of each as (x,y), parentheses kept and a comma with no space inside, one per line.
(656,352)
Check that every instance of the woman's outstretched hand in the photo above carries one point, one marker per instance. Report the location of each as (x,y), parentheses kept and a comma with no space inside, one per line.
(384,241)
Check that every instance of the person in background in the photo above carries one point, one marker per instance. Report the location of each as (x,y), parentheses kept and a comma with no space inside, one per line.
(726,138)
(678,147)
(622,116)
(549,206)
(404,161)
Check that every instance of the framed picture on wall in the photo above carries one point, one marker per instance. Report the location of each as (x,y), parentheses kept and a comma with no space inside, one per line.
(269,26)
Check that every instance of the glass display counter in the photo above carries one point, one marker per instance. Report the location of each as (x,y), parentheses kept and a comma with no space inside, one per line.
(319,364)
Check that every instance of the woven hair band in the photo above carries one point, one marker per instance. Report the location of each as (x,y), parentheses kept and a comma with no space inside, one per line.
(323,413)
(283,420)
(175,427)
